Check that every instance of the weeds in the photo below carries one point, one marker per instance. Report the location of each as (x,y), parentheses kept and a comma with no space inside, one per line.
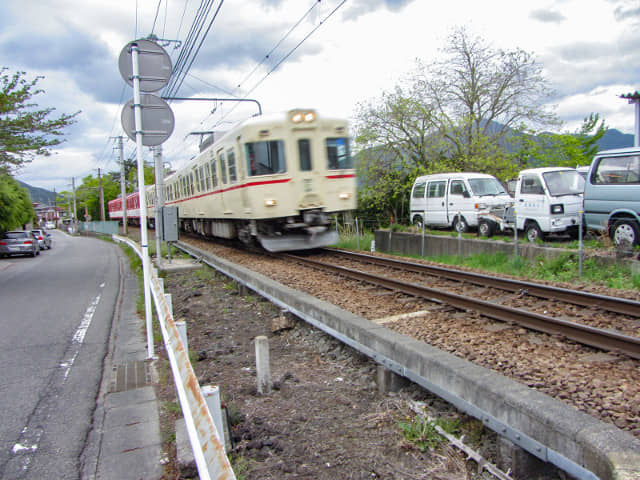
(421,432)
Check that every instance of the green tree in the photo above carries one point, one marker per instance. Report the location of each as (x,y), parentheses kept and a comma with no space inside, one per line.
(16,208)
(481,95)
(563,149)
(458,113)
(25,130)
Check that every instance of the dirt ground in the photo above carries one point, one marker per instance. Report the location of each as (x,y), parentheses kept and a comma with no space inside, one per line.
(324,418)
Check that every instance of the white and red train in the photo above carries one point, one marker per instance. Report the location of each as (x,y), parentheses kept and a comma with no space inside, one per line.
(277,180)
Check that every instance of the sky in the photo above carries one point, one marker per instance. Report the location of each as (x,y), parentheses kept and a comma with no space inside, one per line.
(332,55)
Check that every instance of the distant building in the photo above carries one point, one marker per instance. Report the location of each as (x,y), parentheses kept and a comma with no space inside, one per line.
(47,213)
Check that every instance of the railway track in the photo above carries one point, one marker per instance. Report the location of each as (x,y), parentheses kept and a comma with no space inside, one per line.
(584,334)
(575,297)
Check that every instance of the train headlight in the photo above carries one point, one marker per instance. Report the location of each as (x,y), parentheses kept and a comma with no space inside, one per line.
(345,196)
(270,203)
(303,116)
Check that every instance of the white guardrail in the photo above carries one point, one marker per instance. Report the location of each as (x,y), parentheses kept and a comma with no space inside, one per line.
(208,450)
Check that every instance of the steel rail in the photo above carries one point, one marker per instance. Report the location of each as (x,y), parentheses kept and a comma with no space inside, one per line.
(584,334)
(575,297)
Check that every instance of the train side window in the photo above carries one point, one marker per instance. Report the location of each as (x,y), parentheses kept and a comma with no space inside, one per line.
(223,167)
(207,175)
(197,179)
(265,158)
(214,173)
(191,183)
(202,179)
(304,152)
(338,153)
(231,162)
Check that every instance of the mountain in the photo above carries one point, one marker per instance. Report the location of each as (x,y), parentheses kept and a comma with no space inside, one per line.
(39,195)
(615,139)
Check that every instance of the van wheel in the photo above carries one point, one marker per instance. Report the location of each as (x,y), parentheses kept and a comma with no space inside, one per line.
(625,232)
(533,232)
(417,221)
(460,225)
(485,229)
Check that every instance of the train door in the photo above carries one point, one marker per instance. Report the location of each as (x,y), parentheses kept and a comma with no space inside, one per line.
(310,176)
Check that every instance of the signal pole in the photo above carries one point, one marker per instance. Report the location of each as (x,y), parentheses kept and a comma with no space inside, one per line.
(157,157)
(123,190)
(101,196)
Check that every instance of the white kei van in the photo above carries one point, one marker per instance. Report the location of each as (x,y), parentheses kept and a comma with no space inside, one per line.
(612,195)
(548,200)
(454,199)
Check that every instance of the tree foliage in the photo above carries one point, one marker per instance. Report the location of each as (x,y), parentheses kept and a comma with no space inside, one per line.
(475,109)
(25,130)
(15,204)
(564,149)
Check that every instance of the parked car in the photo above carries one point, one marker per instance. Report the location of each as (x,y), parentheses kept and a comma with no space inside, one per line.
(44,238)
(50,225)
(18,242)
(549,200)
(454,199)
(612,195)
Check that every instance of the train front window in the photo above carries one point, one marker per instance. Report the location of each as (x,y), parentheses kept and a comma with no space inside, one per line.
(304,152)
(265,158)
(338,153)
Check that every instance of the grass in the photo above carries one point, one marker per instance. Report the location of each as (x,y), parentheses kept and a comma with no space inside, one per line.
(564,268)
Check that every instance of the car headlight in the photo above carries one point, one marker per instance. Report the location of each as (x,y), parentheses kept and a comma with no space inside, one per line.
(557,209)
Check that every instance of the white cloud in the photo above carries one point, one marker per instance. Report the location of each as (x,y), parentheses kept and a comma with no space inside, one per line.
(363,48)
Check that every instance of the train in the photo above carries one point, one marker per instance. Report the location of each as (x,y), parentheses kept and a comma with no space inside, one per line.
(275,180)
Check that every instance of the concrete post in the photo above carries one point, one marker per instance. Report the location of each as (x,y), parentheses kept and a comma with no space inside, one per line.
(389,381)
(169,300)
(182,330)
(518,461)
(262,365)
(212,397)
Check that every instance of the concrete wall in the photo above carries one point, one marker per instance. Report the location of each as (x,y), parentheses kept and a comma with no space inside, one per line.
(549,429)
(435,245)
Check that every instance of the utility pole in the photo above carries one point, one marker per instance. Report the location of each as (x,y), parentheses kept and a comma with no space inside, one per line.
(159,167)
(123,189)
(75,215)
(101,197)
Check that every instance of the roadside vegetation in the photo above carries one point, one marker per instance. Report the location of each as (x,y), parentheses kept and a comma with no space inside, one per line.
(565,268)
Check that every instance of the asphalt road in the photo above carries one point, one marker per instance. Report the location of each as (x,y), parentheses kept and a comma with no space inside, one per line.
(56,312)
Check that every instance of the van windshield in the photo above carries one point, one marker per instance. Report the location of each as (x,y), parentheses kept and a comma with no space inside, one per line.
(564,182)
(486,186)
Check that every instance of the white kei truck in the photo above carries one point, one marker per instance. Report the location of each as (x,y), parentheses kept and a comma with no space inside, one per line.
(548,200)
